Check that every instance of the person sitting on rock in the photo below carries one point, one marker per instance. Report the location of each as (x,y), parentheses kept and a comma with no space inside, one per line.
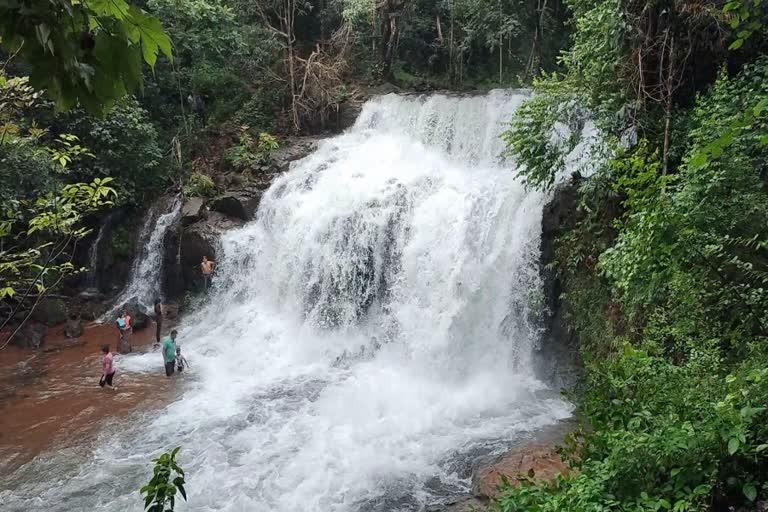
(207,269)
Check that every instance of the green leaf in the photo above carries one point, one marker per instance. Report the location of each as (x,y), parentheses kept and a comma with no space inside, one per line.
(749,491)
(733,445)
(736,44)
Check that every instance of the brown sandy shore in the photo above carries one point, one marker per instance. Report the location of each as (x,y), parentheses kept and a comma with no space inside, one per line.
(50,398)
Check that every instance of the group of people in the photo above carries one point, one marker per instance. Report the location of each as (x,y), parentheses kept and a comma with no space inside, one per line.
(172,358)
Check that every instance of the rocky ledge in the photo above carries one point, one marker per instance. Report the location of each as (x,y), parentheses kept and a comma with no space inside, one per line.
(537,459)
(203,221)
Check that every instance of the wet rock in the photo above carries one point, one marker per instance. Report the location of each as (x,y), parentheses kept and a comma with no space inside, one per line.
(465,505)
(50,311)
(196,242)
(74,327)
(193,211)
(139,317)
(239,205)
(540,460)
(124,344)
(92,310)
(292,149)
(171,311)
(172,279)
(31,335)
(558,360)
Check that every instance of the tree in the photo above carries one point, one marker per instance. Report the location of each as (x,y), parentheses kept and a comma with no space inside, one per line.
(88,53)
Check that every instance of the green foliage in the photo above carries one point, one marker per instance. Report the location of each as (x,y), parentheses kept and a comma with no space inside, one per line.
(248,153)
(662,437)
(127,150)
(83,53)
(167,480)
(665,276)
(200,185)
(746,17)
(544,130)
(36,243)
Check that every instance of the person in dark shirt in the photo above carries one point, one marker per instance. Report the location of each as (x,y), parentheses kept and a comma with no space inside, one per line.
(158,320)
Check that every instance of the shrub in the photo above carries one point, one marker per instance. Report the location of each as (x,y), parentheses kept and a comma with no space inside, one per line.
(200,185)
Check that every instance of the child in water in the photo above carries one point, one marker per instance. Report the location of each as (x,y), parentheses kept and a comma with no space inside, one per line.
(181,361)
(107,368)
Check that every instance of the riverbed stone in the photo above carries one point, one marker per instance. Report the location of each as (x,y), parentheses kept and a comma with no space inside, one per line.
(74,327)
(539,460)
(193,211)
(31,335)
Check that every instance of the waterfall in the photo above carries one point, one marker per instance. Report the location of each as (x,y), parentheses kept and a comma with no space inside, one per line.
(144,283)
(92,278)
(366,338)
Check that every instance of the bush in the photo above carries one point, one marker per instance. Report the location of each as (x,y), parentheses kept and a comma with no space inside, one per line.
(200,185)
(247,153)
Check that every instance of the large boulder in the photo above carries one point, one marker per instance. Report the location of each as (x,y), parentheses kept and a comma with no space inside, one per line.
(193,211)
(31,335)
(196,242)
(50,311)
(534,460)
(92,310)
(240,205)
(292,149)
(74,327)
(139,317)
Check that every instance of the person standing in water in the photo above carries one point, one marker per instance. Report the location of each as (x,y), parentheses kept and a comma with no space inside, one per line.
(207,269)
(169,353)
(107,368)
(181,361)
(158,320)
(124,326)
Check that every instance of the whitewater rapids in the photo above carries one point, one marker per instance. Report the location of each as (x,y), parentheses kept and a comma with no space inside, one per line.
(367,337)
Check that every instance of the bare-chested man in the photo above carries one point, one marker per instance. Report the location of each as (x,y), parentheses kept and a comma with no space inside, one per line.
(207,269)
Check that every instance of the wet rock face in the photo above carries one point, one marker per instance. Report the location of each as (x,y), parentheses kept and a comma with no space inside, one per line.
(202,222)
(93,309)
(50,312)
(239,205)
(31,335)
(558,360)
(193,211)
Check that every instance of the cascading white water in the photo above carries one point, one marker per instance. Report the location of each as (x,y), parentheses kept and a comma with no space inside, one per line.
(144,281)
(92,278)
(366,337)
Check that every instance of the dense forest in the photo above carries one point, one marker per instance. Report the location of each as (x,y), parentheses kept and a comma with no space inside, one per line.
(662,264)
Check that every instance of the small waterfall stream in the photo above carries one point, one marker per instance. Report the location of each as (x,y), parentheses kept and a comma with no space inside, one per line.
(366,338)
(92,278)
(147,270)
